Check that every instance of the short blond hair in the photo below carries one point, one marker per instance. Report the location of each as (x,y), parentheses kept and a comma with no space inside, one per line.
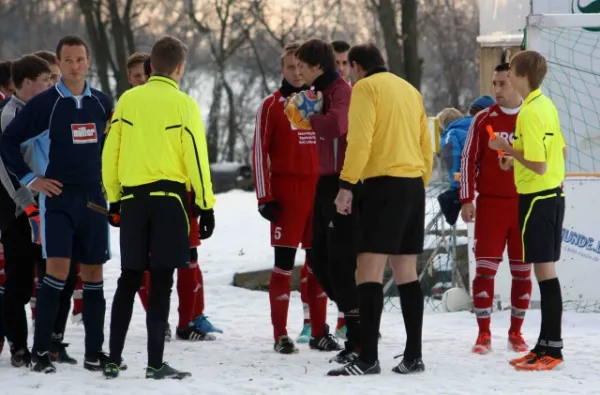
(530,64)
(448,115)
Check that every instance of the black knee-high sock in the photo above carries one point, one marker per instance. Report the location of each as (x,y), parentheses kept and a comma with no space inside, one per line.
(540,346)
(64,308)
(411,302)
(551,295)
(157,315)
(47,300)
(370,309)
(122,309)
(94,308)
(353,329)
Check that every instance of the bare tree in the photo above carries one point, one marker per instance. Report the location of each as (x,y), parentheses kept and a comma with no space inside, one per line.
(21,30)
(386,12)
(302,21)
(110,31)
(401,40)
(228,33)
(410,40)
(449,30)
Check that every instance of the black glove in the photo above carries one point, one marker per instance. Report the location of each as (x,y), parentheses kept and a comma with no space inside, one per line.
(114,214)
(270,211)
(207,223)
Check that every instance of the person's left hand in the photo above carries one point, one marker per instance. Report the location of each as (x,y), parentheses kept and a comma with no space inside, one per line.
(207,223)
(114,214)
(343,202)
(499,143)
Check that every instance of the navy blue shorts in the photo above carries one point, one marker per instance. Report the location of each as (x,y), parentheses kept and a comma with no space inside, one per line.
(72,230)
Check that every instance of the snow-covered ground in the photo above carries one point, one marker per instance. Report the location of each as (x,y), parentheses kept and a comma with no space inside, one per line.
(242,361)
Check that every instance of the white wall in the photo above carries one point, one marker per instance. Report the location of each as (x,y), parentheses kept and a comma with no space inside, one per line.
(509,16)
(502,16)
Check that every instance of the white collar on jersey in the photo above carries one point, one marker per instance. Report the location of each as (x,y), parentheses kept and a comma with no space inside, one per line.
(511,111)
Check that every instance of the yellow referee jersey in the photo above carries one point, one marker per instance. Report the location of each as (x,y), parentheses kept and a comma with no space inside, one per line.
(388,133)
(539,137)
(157,134)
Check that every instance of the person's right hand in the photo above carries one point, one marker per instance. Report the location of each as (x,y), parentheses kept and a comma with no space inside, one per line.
(467,212)
(46,186)
(270,211)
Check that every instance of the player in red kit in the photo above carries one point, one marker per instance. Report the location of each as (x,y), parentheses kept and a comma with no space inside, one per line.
(496,213)
(286,170)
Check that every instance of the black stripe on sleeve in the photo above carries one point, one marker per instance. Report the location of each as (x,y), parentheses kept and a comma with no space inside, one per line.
(198,164)
(173,127)
(127,122)
(115,121)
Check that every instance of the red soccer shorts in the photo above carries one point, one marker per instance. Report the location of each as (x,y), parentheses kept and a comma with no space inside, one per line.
(497,227)
(296,196)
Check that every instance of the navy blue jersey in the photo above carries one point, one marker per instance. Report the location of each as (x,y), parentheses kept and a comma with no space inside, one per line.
(66,133)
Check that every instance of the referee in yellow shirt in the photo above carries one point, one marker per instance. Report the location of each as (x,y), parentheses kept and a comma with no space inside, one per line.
(389,148)
(155,152)
(539,153)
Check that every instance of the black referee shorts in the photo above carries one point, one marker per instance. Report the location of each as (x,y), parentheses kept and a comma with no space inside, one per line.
(541,217)
(392,218)
(154,227)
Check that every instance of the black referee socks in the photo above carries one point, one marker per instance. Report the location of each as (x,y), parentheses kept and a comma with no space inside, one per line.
(48,296)
(552,307)
(94,308)
(412,304)
(370,308)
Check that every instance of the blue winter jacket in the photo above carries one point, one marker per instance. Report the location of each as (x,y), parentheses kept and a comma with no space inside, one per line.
(452,144)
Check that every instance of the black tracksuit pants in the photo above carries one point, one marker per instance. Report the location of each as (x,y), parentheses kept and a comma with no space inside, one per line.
(334,245)
(154,237)
(21,257)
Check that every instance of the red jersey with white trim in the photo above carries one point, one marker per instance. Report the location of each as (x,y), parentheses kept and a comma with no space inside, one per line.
(280,149)
(480,168)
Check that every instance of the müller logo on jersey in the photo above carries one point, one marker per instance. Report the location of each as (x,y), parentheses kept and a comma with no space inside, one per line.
(84,133)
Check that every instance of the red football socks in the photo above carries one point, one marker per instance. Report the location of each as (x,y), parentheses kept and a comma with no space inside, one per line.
(280,287)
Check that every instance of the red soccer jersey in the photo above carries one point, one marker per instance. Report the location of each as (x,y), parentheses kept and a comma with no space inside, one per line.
(279,149)
(480,168)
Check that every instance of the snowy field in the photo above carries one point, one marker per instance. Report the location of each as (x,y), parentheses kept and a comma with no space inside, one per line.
(242,361)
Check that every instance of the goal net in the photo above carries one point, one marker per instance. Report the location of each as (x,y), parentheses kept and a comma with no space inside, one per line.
(571,45)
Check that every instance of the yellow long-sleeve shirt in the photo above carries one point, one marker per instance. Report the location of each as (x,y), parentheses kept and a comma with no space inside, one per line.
(387,131)
(157,134)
